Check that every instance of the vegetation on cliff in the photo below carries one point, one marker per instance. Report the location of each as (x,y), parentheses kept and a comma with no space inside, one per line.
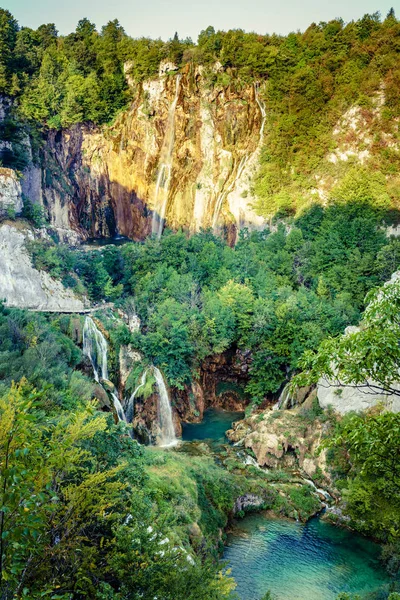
(307,82)
(276,294)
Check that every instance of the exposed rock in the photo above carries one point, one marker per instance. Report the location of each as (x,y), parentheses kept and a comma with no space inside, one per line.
(21,285)
(247,501)
(97,182)
(10,193)
(145,422)
(102,398)
(289,399)
(223,378)
(128,357)
(282,439)
(344,399)
(130,318)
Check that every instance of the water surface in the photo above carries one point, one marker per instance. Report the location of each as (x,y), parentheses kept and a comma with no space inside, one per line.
(295,561)
(213,426)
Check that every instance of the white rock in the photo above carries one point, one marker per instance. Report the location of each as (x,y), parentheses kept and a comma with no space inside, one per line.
(10,192)
(22,286)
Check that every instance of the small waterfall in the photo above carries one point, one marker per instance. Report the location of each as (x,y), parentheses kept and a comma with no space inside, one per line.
(118,407)
(263,112)
(131,402)
(285,399)
(165,168)
(95,348)
(167,430)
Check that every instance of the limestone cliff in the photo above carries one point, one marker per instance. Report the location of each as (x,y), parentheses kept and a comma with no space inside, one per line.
(183,151)
(21,285)
(10,193)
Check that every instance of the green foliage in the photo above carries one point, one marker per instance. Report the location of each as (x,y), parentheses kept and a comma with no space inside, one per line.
(371,492)
(61,80)
(36,347)
(33,213)
(275,294)
(368,357)
(74,493)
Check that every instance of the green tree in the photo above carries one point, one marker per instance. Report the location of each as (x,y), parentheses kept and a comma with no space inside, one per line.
(8,36)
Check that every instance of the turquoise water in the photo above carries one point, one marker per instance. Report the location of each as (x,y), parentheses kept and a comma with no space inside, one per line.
(213,426)
(295,561)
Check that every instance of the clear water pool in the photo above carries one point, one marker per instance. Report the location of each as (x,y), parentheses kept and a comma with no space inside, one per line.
(213,426)
(295,561)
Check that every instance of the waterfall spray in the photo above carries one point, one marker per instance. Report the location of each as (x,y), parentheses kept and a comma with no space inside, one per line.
(167,430)
(165,168)
(95,348)
(118,407)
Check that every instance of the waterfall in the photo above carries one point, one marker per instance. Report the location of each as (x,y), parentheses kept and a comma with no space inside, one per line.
(285,399)
(235,175)
(242,171)
(167,430)
(95,348)
(165,168)
(263,112)
(118,407)
(131,402)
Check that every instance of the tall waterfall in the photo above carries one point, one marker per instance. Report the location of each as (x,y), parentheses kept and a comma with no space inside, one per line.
(167,430)
(243,167)
(165,168)
(131,402)
(95,348)
(263,112)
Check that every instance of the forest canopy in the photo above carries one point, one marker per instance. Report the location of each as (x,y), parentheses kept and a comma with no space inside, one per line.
(61,80)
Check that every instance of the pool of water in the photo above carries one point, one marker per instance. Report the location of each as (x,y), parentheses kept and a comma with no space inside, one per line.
(295,561)
(117,240)
(213,426)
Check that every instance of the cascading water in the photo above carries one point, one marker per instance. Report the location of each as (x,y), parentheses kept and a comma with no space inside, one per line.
(236,174)
(95,348)
(244,167)
(131,402)
(263,112)
(118,407)
(167,430)
(165,168)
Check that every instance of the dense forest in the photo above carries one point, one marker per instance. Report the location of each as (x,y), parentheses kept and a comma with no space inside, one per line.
(85,510)
(276,294)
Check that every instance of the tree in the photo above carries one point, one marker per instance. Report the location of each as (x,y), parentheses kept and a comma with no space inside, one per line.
(368,358)
(8,36)
(371,445)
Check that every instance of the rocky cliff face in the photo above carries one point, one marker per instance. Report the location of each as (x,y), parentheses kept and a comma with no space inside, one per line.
(21,285)
(182,151)
(10,193)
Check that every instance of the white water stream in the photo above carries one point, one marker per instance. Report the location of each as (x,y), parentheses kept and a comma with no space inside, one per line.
(165,168)
(95,348)
(245,165)
(167,430)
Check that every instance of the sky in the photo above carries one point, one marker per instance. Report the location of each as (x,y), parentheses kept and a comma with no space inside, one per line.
(161,18)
